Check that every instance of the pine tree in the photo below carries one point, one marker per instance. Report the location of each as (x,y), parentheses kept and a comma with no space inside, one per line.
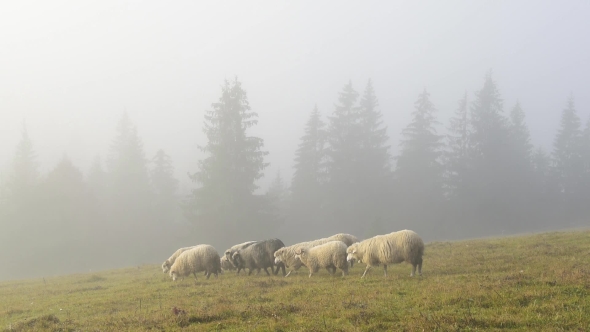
(309,178)
(24,170)
(568,160)
(277,200)
(374,158)
(358,163)
(223,205)
(489,139)
(519,173)
(165,186)
(97,178)
(419,173)
(65,204)
(127,167)
(130,204)
(457,155)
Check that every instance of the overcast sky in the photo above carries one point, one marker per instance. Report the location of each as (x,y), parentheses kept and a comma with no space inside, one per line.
(71,68)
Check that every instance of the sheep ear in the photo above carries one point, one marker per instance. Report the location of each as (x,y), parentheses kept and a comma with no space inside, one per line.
(354,251)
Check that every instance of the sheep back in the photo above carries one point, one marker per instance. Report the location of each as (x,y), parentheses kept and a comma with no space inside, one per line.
(328,255)
(197,259)
(258,255)
(168,263)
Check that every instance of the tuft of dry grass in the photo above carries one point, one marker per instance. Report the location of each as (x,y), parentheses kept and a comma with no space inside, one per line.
(539,282)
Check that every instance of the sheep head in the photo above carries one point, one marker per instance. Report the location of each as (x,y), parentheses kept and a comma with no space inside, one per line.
(352,253)
(236,258)
(299,252)
(174,275)
(166,266)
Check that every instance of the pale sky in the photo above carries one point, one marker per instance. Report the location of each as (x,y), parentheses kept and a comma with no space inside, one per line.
(71,68)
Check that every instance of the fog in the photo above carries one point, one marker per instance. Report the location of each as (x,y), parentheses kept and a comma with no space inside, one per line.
(70,70)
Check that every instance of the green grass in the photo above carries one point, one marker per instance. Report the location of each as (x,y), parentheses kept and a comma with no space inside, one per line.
(536,283)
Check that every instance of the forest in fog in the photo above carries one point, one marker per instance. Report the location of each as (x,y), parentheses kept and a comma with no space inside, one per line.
(475,174)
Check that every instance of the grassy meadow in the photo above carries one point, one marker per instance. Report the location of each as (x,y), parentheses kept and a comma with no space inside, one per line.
(537,282)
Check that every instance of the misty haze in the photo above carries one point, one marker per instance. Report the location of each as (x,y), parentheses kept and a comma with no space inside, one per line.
(131,129)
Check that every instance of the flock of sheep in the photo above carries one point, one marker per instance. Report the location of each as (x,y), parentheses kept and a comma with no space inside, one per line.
(331,253)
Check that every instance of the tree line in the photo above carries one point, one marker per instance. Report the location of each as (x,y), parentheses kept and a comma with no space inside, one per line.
(483,177)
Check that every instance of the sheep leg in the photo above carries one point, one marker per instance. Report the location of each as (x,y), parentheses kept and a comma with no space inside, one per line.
(366,269)
(208,274)
(420,266)
(385,269)
(250,272)
(266,270)
(288,273)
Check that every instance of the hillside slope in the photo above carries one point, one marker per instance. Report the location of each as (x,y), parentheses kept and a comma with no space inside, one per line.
(539,282)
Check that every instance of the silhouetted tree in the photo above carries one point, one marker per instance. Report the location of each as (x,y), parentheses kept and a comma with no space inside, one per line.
(457,159)
(224,205)
(277,200)
(164,184)
(129,193)
(358,162)
(520,171)
(309,178)
(375,161)
(568,161)
(489,139)
(97,181)
(419,173)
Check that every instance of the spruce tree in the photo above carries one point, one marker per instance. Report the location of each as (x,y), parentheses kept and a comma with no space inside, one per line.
(374,159)
(309,178)
(419,173)
(358,163)
(164,185)
(519,173)
(129,205)
(568,161)
(489,139)
(223,204)
(457,154)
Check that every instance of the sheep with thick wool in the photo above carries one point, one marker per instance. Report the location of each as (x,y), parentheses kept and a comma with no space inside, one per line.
(226,265)
(168,263)
(286,255)
(392,248)
(330,255)
(348,239)
(230,252)
(197,259)
(258,256)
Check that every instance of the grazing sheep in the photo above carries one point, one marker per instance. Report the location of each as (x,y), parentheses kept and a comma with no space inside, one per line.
(226,265)
(168,263)
(230,252)
(286,255)
(392,248)
(330,255)
(348,239)
(258,256)
(199,258)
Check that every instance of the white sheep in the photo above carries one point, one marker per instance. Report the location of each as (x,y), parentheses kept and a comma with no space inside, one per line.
(286,255)
(229,253)
(197,259)
(330,255)
(168,263)
(348,239)
(392,248)
(226,265)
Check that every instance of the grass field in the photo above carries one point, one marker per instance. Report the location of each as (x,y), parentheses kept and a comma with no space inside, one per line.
(537,283)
